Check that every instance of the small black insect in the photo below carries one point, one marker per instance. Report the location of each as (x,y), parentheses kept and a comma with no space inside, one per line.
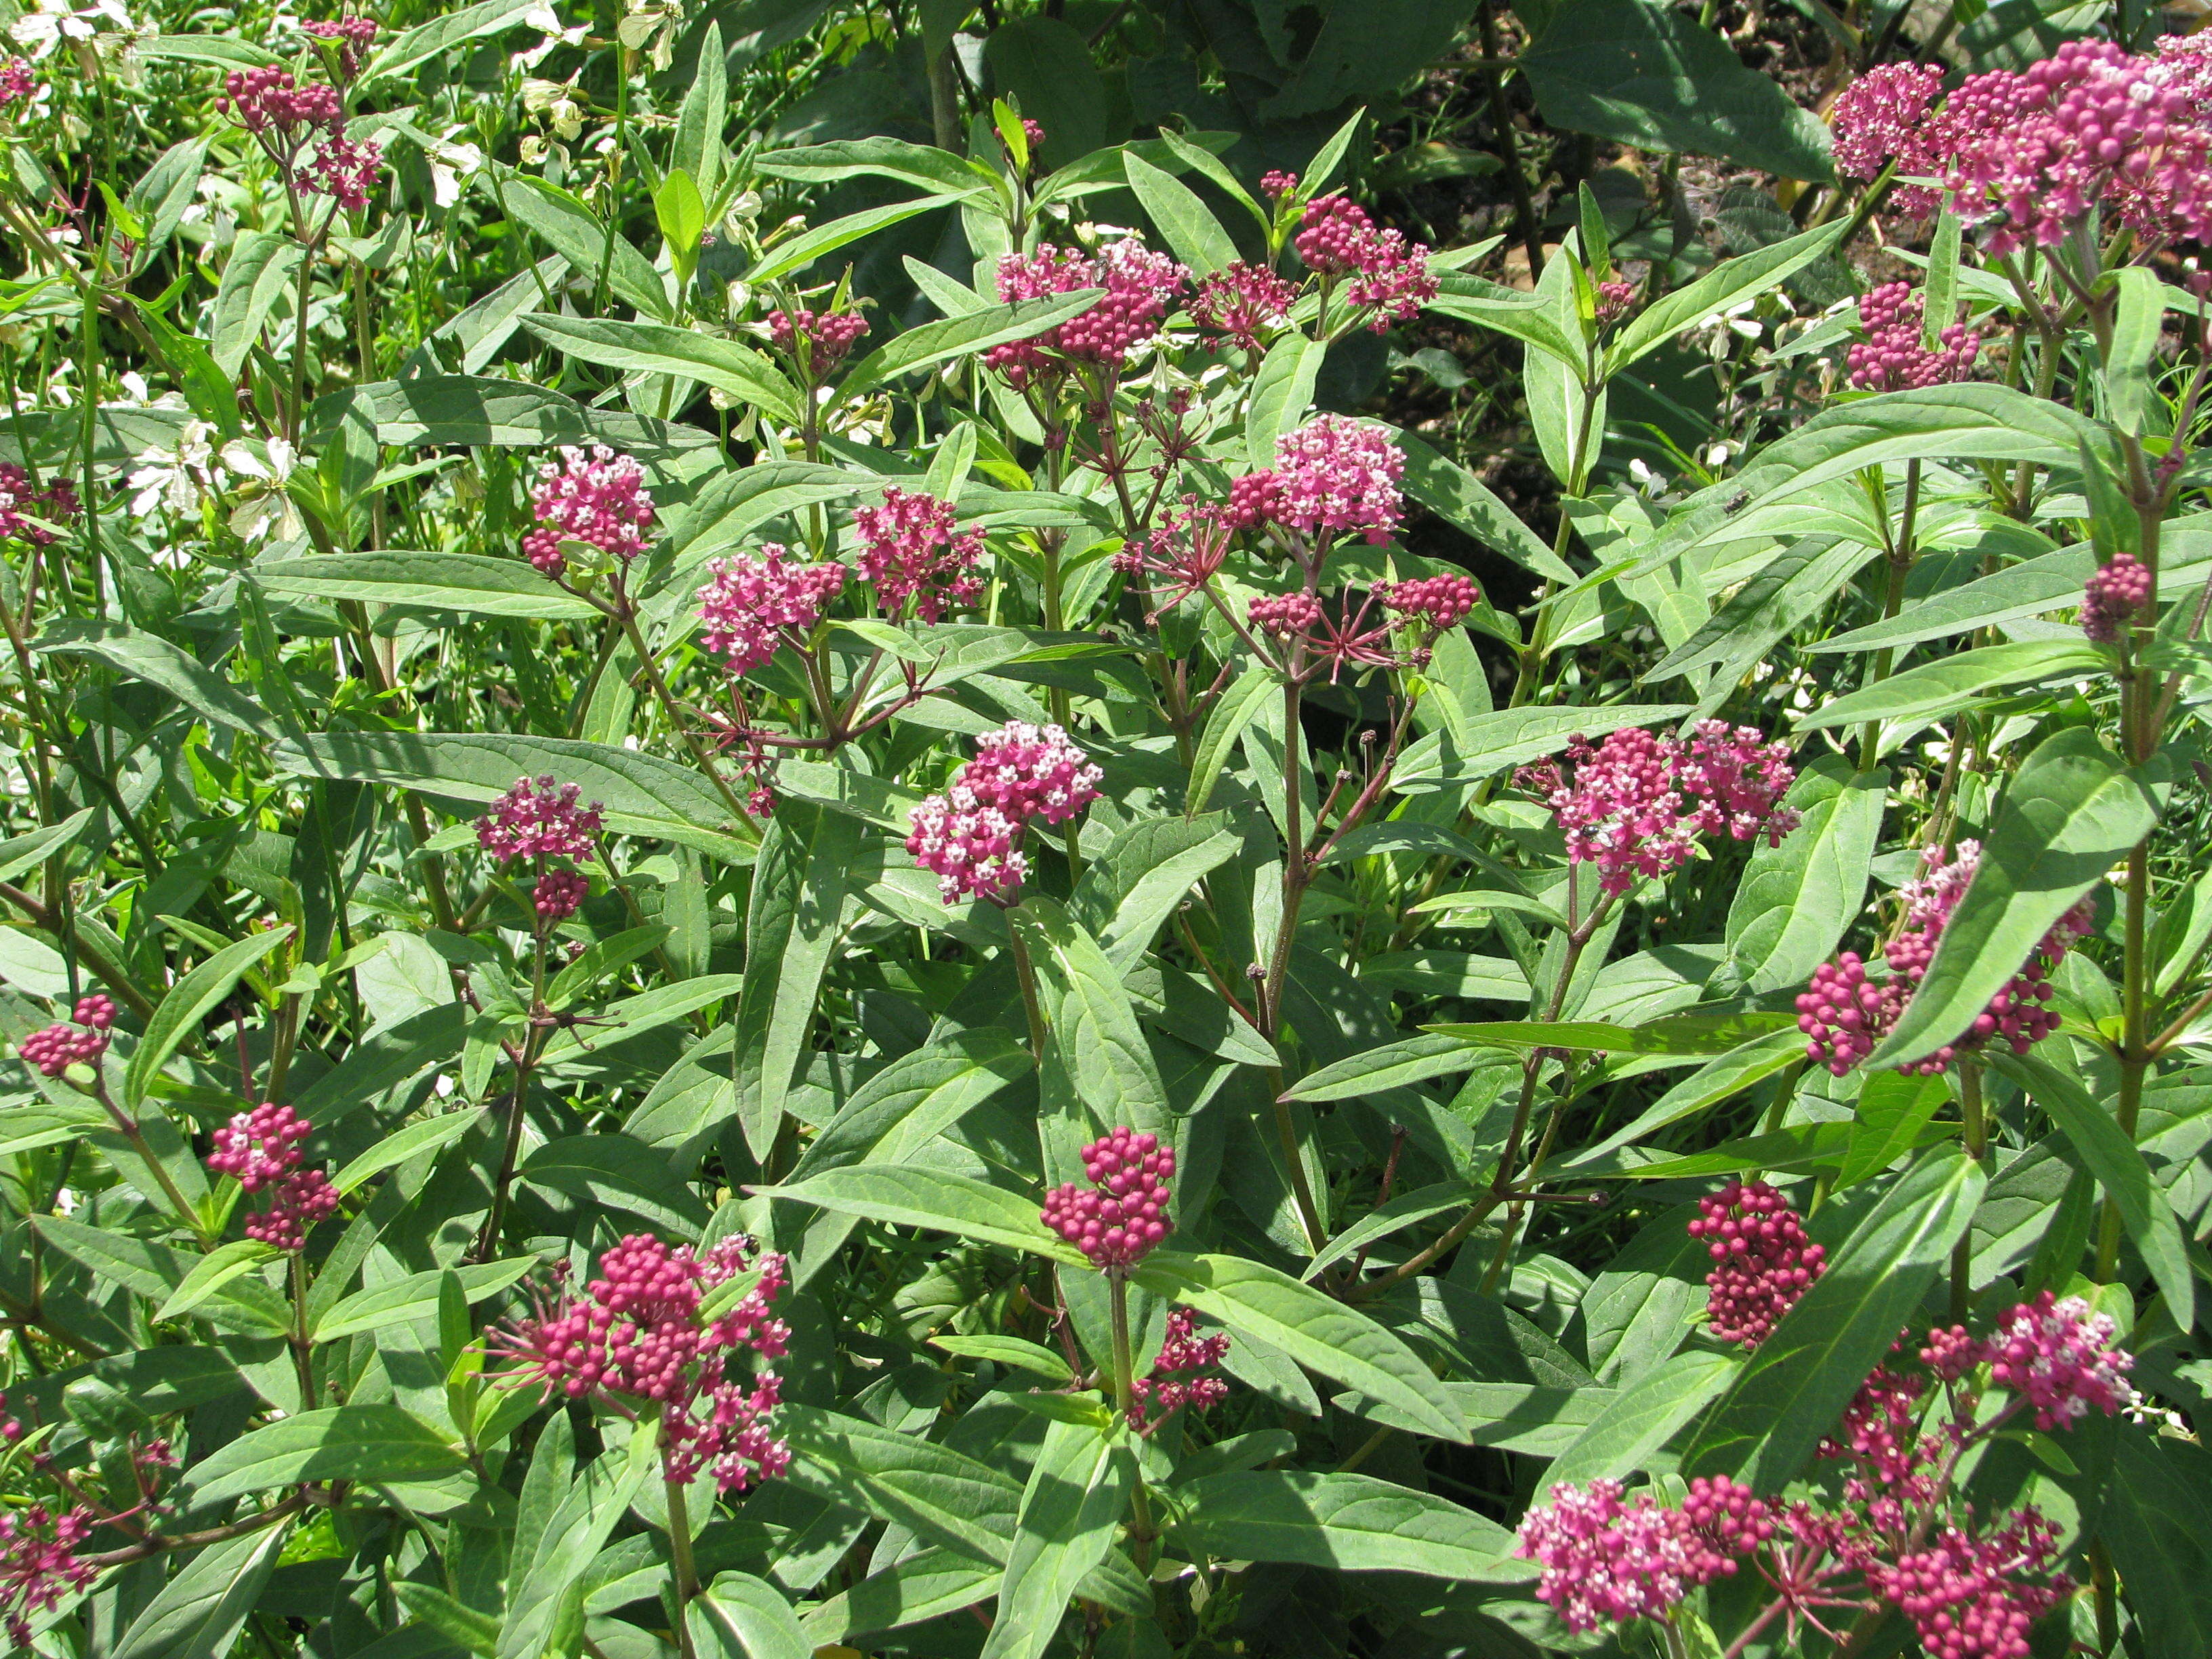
(1737,505)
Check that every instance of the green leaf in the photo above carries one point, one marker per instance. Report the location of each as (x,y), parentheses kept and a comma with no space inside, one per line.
(395,1055)
(1129,891)
(732,505)
(697,148)
(439,36)
(1685,1034)
(1643,74)
(1406,1210)
(149,658)
(212,1271)
(968,335)
(741,1617)
(262,269)
(939,172)
(798,892)
(2071,813)
(1393,1065)
(1506,737)
(424,1135)
(638,348)
(2157,1522)
(404,1300)
(681,213)
(186,1004)
(1453,493)
(336,1442)
(1185,223)
(1009,1351)
(2120,1170)
(924,1585)
(933,1198)
(575,233)
(1046,64)
(198,1614)
(1637,1424)
(1343,1523)
(620,1172)
(1797,901)
(1950,683)
(1092,1020)
(426,1604)
(1232,711)
(1717,1080)
(1312,1327)
(1065,1526)
(910,1102)
(1282,391)
(1793,1389)
(932,1490)
(2138,321)
(1726,284)
(160,197)
(1435,973)
(804,249)
(577,1518)
(469,584)
(1893,1110)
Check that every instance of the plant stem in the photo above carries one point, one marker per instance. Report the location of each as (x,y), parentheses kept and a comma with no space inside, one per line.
(1125,1389)
(1974,1133)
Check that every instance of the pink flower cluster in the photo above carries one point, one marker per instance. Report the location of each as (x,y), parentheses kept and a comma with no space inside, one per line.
(1762,1260)
(285,115)
(1141,288)
(1122,1217)
(354,36)
(593,496)
(2115,591)
(17,83)
(39,1565)
(908,552)
(2032,153)
(752,607)
(540,819)
(1438,601)
(1635,803)
(559,894)
(1176,1379)
(1845,1014)
(1284,614)
(54,1049)
(19,504)
(1389,275)
(1248,303)
(1613,299)
(2059,1357)
(1966,1595)
(826,337)
(640,1330)
(261,1148)
(1605,1561)
(970,836)
(1333,476)
(1892,357)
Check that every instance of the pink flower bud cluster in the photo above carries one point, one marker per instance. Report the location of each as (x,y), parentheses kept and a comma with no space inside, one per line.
(1141,288)
(593,496)
(559,894)
(19,504)
(908,552)
(1333,476)
(1438,601)
(640,1330)
(285,115)
(1879,1429)
(17,83)
(1762,1260)
(970,836)
(1845,1014)
(54,1049)
(1276,185)
(539,820)
(2030,154)
(829,337)
(2059,1357)
(1248,303)
(39,1566)
(1892,357)
(752,607)
(1389,275)
(1635,803)
(2115,591)
(1285,615)
(1968,1596)
(1613,299)
(354,35)
(1176,1379)
(261,1148)
(1122,1217)
(1605,1561)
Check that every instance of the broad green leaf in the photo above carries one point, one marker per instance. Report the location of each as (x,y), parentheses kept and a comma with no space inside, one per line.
(939,172)
(2071,813)
(791,926)
(425,1134)
(804,249)
(923,1585)
(2120,1170)
(619,1173)
(187,1003)
(1232,711)
(198,1614)
(681,212)
(1310,1326)
(1450,490)
(1726,284)
(469,584)
(149,658)
(1393,1065)
(568,1539)
(1093,1020)
(1684,1034)
(1793,1389)
(914,1098)
(741,1617)
(1130,889)
(1893,1110)
(697,148)
(1436,973)
(161,196)
(1720,1079)
(212,1271)
(1950,683)
(261,269)
(576,234)
(2138,321)
(404,1300)
(48,1123)
(933,1198)
(477,1632)
(1065,1526)
(1185,223)
(641,348)
(19,852)
(1281,393)
(1343,1523)
(335,1442)
(935,1492)
(1406,1210)
(2157,1522)
(441,34)
(732,505)
(1008,1351)
(968,335)
(1639,1420)
(1797,901)
(1789,587)
(384,1060)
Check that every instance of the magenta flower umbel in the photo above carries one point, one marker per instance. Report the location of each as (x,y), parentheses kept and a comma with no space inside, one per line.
(54,1049)
(54,503)
(1248,303)
(1178,1377)
(1122,1215)
(540,819)
(970,836)
(593,496)
(1141,288)
(825,337)
(39,1565)
(1389,275)
(1605,1561)
(908,552)
(2115,591)
(1762,1260)
(260,1150)
(752,607)
(1893,357)
(1333,476)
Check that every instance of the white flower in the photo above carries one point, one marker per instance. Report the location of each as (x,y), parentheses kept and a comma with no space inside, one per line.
(1717,456)
(175,480)
(1647,482)
(265,504)
(64,1202)
(47,23)
(451,166)
(555,104)
(547,22)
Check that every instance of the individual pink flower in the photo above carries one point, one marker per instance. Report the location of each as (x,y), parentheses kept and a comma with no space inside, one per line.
(1178,1376)
(1892,357)
(908,552)
(753,607)
(1333,476)
(1141,288)
(827,337)
(2114,595)
(1122,1215)
(1762,1260)
(540,819)
(39,1565)
(1248,303)
(1605,1561)
(593,496)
